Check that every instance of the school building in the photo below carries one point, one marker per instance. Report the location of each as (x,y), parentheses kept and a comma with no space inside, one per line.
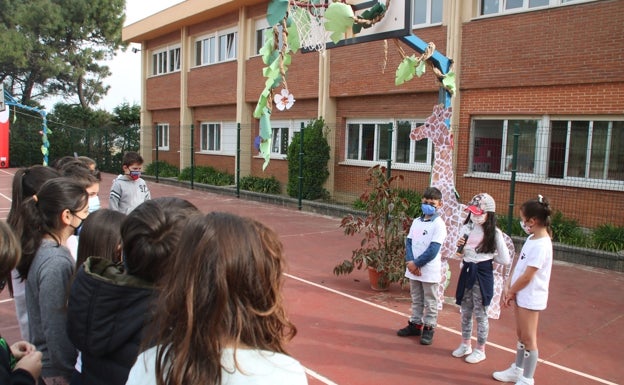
(548,72)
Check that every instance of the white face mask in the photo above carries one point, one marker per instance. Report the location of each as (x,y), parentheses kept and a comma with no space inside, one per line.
(478,219)
(526,228)
(94,203)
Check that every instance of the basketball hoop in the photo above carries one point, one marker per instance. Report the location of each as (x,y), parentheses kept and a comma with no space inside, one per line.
(308,16)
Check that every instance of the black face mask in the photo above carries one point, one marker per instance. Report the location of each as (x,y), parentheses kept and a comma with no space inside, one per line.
(79,227)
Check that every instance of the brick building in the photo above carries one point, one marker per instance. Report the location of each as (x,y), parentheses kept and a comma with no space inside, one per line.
(550,71)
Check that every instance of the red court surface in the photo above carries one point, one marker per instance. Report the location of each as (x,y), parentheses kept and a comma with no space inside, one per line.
(347,332)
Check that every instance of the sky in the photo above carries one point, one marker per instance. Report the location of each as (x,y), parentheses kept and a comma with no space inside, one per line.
(125,81)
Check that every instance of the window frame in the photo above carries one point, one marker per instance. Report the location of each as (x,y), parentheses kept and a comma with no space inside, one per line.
(215,57)
(204,137)
(162,140)
(544,152)
(428,15)
(411,165)
(163,58)
(526,6)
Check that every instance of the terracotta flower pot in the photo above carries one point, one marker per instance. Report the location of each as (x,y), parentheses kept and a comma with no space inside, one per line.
(378,281)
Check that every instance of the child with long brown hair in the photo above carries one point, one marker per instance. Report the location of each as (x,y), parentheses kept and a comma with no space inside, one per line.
(221,318)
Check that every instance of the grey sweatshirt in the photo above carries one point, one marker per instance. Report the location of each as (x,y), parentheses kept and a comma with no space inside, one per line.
(126,194)
(47,286)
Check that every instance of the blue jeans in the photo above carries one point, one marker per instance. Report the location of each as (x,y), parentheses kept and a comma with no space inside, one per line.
(424,302)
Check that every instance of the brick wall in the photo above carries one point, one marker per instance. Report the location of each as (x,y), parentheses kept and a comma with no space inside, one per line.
(212,85)
(163,92)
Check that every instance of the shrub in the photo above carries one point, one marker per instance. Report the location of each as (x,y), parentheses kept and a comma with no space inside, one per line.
(412,197)
(165,170)
(207,175)
(262,185)
(568,231)
(609,238)
(315,171)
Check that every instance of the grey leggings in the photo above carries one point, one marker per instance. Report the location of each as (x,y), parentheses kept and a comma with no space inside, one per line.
(472,303)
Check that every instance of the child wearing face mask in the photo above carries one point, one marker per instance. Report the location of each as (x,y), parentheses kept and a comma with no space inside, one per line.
(475,287)
(424,265)
(129,190)
(528,289)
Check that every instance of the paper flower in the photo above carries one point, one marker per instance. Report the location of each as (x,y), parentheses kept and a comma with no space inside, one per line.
(284,100)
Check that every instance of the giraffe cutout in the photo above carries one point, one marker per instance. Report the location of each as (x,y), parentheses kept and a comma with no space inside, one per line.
(453,212)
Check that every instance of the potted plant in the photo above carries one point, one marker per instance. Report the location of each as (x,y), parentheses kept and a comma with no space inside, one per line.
(384,228)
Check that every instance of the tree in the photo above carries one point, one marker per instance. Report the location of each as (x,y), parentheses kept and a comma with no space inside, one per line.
(52,47)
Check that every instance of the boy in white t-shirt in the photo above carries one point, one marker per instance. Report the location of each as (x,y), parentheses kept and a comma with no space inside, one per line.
(424,264)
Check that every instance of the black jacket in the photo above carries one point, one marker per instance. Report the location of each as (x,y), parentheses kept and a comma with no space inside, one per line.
(473,272)
(107,313)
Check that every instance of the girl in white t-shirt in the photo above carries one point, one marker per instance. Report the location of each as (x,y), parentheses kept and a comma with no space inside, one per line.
(220,318)
(529,289)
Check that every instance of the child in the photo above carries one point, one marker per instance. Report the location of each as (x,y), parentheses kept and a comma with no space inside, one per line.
(46,221)
(221,319)
(424,265)
(110,304)
(101,236)
(26,183)
(21,362)
(129,190)
(475,287)
(529,289)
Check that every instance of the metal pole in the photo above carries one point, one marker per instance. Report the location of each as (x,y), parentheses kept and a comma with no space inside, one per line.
(389,160)
(300,165)
(192,156)
(514,163)
(238,155)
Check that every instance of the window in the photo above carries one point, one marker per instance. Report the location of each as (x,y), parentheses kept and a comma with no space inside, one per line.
(426,12)
(587,149)
(162,136)
(380,141)
(216,47)
(491,7)
(263,30)
(210,137)
(166,60)
(558,149)
(282,135)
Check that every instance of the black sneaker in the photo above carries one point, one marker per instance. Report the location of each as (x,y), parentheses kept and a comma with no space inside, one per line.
(411,329)
(427,335)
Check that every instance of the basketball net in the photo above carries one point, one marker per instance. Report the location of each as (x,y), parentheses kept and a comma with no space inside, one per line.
(309,16)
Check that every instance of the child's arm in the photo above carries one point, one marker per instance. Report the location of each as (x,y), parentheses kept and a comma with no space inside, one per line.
(520,284)
(409,254)
(428,255)
(502,251)
(114,197)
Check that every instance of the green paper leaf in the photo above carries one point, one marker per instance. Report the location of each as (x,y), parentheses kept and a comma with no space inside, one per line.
(265,125)
(421,68)
(405,71)
(449,82)
(276,11)
(265,151)
(262,104)
(44,150)
(267,51)
(293,38)
(339,18)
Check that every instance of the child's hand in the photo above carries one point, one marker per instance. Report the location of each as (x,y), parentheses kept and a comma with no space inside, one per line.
(461,241)
(412,268)
(22,348)
(31,362)
(508,298)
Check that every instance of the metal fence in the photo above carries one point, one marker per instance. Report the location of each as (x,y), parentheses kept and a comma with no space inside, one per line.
(579,168)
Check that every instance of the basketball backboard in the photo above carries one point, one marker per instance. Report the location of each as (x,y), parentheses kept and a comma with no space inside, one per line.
(396,22)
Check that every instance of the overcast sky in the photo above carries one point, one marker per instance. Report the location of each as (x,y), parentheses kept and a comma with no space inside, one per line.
(125,81)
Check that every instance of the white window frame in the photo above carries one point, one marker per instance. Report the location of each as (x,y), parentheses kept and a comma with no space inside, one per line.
(428,13)
(526,6)
(210,142)
(379,130)
(543,135)
(217,54)
(293,126)
(162,136)
(164,58)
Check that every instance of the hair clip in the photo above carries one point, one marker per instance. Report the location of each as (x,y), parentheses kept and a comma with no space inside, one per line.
(540,198)
(35,198)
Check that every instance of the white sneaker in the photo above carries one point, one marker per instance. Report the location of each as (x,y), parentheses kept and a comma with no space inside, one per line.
(462,350)
(525,381)
(476,356)
(511,374)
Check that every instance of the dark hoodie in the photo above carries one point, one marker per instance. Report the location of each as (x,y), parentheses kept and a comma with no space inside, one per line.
(107,313)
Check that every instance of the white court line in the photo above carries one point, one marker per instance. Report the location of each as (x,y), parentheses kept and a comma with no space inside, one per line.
(6,172)
(561,367)
(6,197)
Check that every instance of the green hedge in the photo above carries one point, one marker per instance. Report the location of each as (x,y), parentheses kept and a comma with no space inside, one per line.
(165,170)
(207,175)
(262,185)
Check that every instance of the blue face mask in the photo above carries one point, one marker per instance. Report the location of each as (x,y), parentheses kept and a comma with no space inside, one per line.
(427,209)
